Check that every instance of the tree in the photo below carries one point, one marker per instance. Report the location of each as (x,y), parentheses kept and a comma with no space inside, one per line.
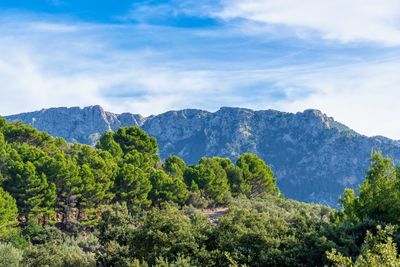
(133,186)
(108,143)
(8,214)
(63,171)
(253,238)
(257,177)
(175,166)
(210,179)
(144,161)
(33,193)
(98,171)
(132,145)
(378,197)
(116,224)
(3,124)
(21,133)
(377,250)
(165,188)
(91,193)
(165,233)
(134,138)
(116,228)
(3,153)
(233,173)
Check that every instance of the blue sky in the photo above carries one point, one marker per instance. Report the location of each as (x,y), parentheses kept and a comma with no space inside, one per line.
(152,56)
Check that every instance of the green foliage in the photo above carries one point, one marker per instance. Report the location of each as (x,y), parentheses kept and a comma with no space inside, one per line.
(234,175)
(39,234)
(116,254)
(98,171)
(378,197)
(64,173)
(107,143)
(133,138)
(133,186)
(58,255)
(17,240)
(272,232)
(9,256)
(31,190)
(179,262)
(377,250)
(3,154)
(20,133)
(257,177)
(165,188)
(8,214)
(145,162)
(115,231)
(175,166)
(116,224)
(165,233)
(118,205)
(210,179)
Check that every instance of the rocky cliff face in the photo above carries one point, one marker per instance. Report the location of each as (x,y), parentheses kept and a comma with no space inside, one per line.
(313,156)
(76,124)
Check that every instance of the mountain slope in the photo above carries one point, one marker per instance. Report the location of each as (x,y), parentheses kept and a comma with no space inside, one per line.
(76,124)
(313,156)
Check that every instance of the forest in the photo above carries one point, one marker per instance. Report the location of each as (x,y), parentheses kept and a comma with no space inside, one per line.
(120,204)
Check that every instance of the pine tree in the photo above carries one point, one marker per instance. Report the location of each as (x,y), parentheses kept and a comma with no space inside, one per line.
(175,166)
(166,188)
(64,173)
(378,196)
(134,138)
(133,186)
(8,214)
(211,180)
(3,153)
(108,143)
(258,178)
(33,193)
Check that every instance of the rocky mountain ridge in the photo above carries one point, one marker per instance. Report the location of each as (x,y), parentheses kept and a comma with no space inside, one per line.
(313,156)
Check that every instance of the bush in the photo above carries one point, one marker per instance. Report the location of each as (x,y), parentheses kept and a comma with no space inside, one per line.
(165,233)
(39,234)
(9,256)
(58,255)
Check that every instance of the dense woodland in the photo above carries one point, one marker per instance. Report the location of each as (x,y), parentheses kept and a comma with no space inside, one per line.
(119,204)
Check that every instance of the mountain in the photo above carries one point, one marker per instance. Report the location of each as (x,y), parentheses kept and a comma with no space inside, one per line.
(313,156)
(75,124)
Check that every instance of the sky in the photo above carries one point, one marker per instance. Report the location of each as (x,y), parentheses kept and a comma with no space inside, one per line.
(341,57)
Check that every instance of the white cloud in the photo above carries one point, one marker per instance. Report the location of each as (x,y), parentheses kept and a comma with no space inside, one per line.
(363,96)
(79,65)
(339,20)
(45,64)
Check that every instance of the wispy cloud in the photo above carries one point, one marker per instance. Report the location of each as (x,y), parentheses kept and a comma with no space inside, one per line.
(150,68)
(340,20)
(52,64)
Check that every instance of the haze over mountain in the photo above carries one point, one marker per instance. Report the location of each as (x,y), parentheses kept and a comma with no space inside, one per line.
(313,156)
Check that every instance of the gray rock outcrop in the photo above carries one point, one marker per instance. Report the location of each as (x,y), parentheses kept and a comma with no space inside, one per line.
(313,156)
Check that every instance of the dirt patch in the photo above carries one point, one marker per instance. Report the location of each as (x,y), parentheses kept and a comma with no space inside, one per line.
(215,214)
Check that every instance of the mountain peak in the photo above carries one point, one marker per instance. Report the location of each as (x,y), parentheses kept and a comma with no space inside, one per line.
(315,112)
(77,124)
(313,156)
(95,107)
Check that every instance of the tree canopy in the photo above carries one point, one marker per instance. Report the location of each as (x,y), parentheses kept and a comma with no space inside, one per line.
(119,204)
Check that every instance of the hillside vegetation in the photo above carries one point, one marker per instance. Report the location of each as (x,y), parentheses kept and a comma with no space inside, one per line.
(119,204)
(313,156)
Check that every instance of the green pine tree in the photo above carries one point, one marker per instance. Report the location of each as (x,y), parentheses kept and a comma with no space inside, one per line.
(8,214)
